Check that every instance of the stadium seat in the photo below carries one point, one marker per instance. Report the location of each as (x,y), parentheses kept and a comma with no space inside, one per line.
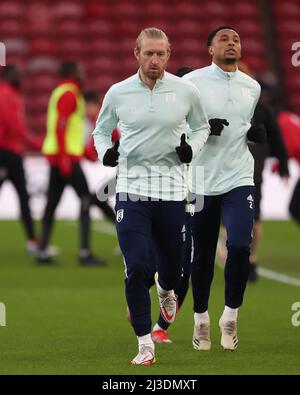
(38,64)
(71,47)
(287,8)
(12,9)
(70,9)
(252,46)
(245,8)
(189,28)
(216,9)
(248,27)
(17,46)
(189,9)
(43,46)
(12,27)
(69,28)
(98,9)
(99,28)
(127,10)
(156,9)
(127,28)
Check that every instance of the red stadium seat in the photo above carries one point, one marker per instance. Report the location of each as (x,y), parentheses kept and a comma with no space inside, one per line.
(287,8)
(127,10)
(246,8)
(127,28)
(16,59)
(252,46)
(98,9)
(12,9)
(68,28)
(70,9)
(189,9)
(216,9)
(101,65)
(43,46)
(189,28)
(156,9)
(288,28)
(98,28)
(100,47)
(248,28)
(12,27)
(72,48)
(38,64)
(16,46)
(256,63)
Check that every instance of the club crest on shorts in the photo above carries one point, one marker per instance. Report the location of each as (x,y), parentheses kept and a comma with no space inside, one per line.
(120,215)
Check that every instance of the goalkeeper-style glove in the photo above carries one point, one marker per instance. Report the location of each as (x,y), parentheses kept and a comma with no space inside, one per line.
(217,125)
(111,156)
(184,151)
(257,133)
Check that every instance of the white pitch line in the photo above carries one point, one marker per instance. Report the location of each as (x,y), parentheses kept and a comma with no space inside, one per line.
(271,275)
(101,227)
(281,278)
(106,228)
(109,229)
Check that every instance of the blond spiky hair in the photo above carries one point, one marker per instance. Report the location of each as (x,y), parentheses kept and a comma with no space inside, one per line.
(152,32)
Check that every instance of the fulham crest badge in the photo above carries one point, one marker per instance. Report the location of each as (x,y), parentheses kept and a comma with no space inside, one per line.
(120,215)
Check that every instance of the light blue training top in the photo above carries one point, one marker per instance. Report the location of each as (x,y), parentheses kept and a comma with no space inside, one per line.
(151,124)
(226,159)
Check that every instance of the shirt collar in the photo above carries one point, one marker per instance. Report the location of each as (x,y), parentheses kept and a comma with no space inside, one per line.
(224,74)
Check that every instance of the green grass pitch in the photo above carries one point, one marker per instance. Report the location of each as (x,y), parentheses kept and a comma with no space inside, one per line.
(67,319)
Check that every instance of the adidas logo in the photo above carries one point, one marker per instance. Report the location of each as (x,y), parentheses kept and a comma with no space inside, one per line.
(250,198)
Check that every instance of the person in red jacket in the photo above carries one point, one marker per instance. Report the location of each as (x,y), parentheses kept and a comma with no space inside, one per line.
(290,129)
(14,134)
(64,148)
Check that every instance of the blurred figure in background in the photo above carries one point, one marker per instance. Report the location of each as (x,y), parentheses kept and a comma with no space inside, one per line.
(64,148)
(290,129)
(92,108)
(14,134)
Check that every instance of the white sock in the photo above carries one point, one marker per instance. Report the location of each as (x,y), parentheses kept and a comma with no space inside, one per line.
(230,314)
(157,328)
(201,318)
(147,339)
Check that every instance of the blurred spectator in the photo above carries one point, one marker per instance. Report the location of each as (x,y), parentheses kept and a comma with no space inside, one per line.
(290,129)
(64,148)
(13,136)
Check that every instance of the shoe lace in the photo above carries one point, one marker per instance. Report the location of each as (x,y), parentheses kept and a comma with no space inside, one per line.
(168,301)
(144,349)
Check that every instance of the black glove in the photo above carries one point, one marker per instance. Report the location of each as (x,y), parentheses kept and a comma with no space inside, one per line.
(184,151)
(257,133)
(111,156)
(217,125)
